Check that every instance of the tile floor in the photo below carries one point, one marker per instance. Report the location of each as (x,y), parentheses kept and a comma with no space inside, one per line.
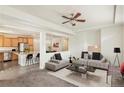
(9,64)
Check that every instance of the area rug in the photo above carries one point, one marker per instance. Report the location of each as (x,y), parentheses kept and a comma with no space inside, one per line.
(96,79)
(35,78)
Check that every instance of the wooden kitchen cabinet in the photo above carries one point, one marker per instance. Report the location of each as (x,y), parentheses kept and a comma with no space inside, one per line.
(20,39)
(30,41)
(1,57)
(25,40)
(14,42)
(1,40)
(7,42)
(14,57)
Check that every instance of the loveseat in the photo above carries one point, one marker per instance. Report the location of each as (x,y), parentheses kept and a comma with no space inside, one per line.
(56,63)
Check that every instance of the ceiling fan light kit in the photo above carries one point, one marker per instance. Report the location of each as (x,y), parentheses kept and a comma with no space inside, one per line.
(73,19)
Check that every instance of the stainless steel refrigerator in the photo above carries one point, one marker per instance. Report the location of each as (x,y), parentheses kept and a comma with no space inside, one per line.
(21,47)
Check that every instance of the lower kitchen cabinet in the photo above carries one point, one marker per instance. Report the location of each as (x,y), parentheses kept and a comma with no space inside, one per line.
(14,57)
(1,56)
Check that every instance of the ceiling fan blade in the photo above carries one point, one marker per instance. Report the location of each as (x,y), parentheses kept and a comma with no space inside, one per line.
(73,24)
(80,20)
(66,17)
(66,22)
(77,15)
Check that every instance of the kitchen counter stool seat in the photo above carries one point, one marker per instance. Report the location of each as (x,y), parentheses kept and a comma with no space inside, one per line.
(37,58)
(29,59)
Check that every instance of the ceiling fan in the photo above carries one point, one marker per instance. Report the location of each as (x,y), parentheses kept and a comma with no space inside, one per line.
(73,19)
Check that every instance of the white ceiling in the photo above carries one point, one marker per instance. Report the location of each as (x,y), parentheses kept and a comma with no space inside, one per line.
(28,19)
(95,15)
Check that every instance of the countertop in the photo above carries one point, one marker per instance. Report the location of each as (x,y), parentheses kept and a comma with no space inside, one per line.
(3,51)
(6,49)
(26,53)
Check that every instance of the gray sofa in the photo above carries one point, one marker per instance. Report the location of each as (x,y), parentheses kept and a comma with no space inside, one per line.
(56,63)
(54,66)
(95,60)
(96,63)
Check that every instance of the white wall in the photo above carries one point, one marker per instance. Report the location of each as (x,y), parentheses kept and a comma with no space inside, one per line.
(82,40)
(64,54)
(36,41)
(107,38)
(111,37)
(45,57)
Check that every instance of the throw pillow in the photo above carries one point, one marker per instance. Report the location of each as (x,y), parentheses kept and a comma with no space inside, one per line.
(58,56)
(101,56)
(83,53)
(85,56)
(96,55)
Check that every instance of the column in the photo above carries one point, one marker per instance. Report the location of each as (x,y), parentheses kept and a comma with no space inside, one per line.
(42,49)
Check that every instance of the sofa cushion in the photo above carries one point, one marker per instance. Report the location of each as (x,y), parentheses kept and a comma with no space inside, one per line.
(83,61)
(96,56)
(98,64)
(58,56)
(54,66)
(54,61)
(83,54)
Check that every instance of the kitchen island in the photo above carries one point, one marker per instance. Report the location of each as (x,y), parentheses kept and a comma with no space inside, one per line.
(23,55)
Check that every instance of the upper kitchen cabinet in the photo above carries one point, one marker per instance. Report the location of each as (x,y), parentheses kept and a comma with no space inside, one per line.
(30,40)
(25,40)
(7,42)
(10,41)
(14,42)
(1,40)
(20,39)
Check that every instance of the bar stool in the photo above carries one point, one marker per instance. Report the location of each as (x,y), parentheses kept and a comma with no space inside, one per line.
(37,59)
(29,59)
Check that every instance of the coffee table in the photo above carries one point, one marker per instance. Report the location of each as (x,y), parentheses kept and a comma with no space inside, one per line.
(78,67)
